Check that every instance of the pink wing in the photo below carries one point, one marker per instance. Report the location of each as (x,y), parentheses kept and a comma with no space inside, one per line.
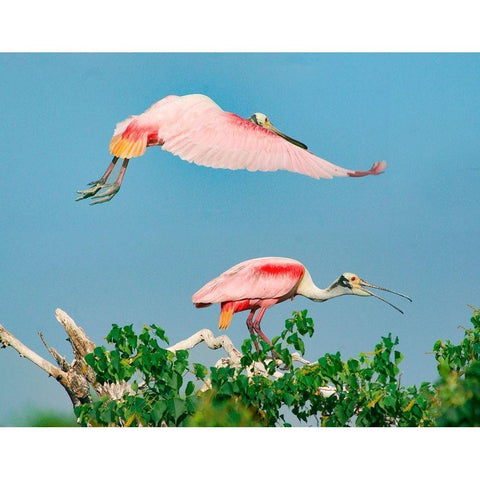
(259,278)
(197,130)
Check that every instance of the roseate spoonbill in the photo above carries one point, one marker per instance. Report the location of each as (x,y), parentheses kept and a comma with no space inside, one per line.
(259,283)
(196,129)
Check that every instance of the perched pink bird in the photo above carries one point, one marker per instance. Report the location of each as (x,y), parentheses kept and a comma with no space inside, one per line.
(259,283)
(196,129)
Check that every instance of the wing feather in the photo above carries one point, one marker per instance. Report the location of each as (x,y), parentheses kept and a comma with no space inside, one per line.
(259,278)
(197,130)
(240,144)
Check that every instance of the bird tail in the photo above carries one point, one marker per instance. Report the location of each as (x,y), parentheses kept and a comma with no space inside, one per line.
(128,144)
(226,314)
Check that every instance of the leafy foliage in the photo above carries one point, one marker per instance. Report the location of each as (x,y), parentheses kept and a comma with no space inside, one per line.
(167,389)
(160,395)
(457,401)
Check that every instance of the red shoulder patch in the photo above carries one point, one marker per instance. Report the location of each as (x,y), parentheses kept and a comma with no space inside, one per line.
(293,270)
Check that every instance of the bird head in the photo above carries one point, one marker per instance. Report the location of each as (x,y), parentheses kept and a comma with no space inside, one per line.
(352,284)
(262,120)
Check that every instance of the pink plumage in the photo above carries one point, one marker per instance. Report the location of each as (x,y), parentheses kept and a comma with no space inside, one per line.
(260,283)
(197,130)
(251,285)
(257,279)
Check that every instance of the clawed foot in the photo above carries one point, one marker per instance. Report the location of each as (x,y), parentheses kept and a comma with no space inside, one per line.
(111,190)
(90,192)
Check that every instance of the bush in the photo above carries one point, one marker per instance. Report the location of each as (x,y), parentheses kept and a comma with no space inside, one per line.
(166,389)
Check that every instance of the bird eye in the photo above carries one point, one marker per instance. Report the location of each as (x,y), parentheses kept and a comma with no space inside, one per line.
(353,279)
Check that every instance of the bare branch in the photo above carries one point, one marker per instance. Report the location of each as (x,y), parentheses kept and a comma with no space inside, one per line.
(69,376)
(9,340)
(61,361)
(80,342)
(81,346)
(234,357)
(212,342)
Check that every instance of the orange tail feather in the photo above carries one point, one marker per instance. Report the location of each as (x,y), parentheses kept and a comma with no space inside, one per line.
(226,315)
(128,147)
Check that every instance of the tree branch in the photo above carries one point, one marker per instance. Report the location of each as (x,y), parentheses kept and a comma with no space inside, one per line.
(61,361)
(77,377)
(234,357)
(8,340)
(212,342)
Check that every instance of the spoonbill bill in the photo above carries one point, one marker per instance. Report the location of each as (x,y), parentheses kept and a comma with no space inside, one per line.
(260,283)
(196,129)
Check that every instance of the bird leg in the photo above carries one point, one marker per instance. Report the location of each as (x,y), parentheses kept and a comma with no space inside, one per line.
(112,188)
(258,330)
(256,326)
(97,184)
(251,329)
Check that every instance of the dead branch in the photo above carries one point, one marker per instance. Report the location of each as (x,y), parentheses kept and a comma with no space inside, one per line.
(8,340)
(75,385)
(212,342)
(234,355)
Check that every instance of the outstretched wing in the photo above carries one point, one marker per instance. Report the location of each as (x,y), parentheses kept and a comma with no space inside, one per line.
(197,130)
(259,278)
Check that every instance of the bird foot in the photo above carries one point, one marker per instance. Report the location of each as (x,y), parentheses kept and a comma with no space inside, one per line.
(108,194)
(90,192)
(111,190)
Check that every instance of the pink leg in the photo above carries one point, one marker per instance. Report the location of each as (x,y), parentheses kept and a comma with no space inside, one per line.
(256,325)
(251,329)
(250,323)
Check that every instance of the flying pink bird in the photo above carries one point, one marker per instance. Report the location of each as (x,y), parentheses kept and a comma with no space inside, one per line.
(260,283)
(196,129)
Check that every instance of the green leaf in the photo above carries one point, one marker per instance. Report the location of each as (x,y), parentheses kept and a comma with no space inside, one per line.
(398,357)
(160,333)
(340,414)
(226,389)
(353,365)
(389,401)
(99,353)
(189,388)
(158,410)
(90,360)
(178,408)
(107,412)
(200,370)
(115,360)
(182,355)
(388,341)
(299,345)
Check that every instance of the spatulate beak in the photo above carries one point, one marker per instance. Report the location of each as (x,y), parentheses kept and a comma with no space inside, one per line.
(362,287)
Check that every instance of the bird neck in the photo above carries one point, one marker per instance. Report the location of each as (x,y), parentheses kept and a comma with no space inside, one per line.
(308,289)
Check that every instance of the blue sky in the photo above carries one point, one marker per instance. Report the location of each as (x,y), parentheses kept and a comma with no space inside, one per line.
(174,226)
